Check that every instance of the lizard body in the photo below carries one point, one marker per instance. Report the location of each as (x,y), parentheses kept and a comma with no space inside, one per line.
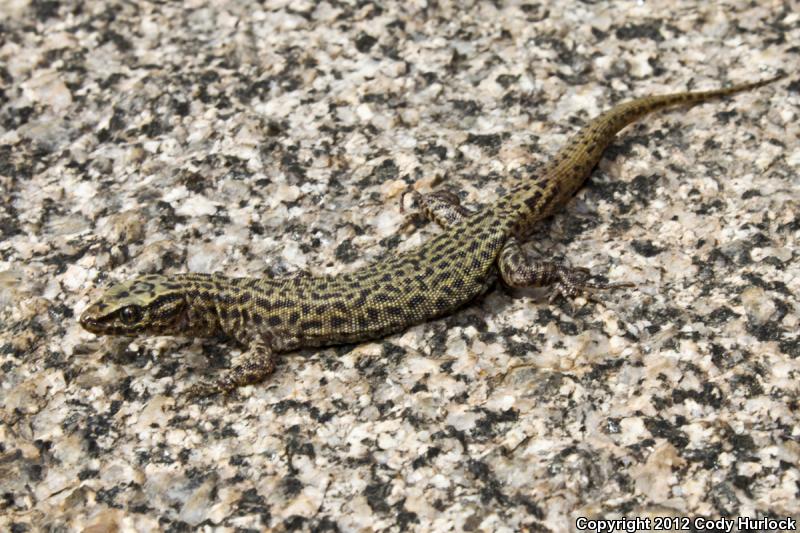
(276,315)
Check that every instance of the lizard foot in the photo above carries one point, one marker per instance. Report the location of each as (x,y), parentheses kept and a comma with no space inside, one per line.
(574,280)
(258,363)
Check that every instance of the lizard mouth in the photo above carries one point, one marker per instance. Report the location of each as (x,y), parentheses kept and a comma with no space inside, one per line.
(100,327)
(89,323)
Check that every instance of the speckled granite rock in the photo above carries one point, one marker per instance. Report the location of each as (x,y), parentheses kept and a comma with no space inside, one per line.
(263,139)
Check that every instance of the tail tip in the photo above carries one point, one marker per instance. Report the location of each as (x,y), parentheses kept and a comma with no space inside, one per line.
(781,74)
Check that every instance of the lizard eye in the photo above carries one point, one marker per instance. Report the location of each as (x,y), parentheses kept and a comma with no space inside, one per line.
(130,315)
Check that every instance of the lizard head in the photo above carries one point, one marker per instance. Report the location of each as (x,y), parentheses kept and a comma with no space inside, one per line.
(149,304)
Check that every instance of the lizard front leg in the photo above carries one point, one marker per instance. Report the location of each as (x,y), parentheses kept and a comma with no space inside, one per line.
(257,363)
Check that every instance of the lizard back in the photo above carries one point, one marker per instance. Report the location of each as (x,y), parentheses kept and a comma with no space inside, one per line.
(430,281)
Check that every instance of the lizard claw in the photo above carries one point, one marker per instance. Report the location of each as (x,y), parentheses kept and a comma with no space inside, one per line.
(574,280)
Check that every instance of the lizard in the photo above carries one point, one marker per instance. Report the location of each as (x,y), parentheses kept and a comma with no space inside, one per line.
(269,316)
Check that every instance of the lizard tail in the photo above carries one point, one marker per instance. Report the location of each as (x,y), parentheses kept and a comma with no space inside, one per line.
(532,200)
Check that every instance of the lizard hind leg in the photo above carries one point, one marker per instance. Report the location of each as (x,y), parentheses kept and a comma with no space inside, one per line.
(517,271)
(442,207)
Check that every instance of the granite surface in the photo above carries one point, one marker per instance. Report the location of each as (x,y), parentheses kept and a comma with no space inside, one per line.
(265,138)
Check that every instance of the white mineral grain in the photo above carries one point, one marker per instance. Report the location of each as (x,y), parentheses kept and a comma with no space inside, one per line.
(74,277)
(205,257)
(197,205)
(757,304)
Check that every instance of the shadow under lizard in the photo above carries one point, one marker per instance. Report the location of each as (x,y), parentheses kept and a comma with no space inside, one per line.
(270,316)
